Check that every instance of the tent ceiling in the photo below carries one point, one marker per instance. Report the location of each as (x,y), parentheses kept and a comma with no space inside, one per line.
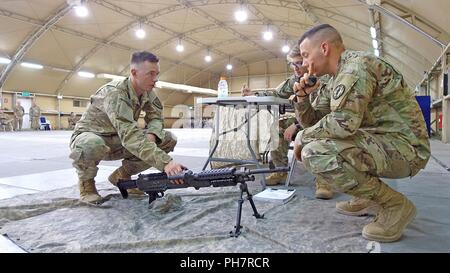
(103,41)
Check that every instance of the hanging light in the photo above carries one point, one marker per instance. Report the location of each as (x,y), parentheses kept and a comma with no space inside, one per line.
(180,47)
(140,32)
(229,66)
(285,48)
(81,10)
(268,34)
(240,15)
(208,57)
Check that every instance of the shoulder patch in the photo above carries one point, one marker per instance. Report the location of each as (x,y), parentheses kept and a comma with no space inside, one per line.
(338,91)
(341,87)
(157,103)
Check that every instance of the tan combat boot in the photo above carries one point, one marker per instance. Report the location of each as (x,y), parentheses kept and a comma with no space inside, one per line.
(396,213)
(323,190)
(88,192)
(276,178)
(357,207)
(121,174)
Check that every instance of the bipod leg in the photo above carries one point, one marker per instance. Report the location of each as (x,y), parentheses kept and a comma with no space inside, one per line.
(250,199)
(237,227)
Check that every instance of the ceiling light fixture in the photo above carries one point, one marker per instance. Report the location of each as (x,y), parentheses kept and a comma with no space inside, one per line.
(180,47)
(32,65)
(375,44)
(240,15)
(4,60)
(85,74)
(373,32)
(81,11)
(376,52)
(268,34)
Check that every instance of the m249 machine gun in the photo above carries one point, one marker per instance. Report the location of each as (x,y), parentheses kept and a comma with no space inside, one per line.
(155,184)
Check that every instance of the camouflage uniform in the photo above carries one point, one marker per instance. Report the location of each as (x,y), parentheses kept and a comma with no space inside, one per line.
(367,125)
(72,122)
(35,113)
(5,122)
(108,130)
(284,90)
(19,112)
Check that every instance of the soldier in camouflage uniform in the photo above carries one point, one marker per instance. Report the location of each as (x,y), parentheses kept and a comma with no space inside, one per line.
(374,129)
(19,112)
(5,122)
(288,124)
(35,113)
(108,130)
(72,120)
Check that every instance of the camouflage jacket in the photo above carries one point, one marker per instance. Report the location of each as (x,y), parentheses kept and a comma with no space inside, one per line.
(35,112)
(115,110)
(368,94)
(4,117)
(19,112)
(72,120)
(284,90)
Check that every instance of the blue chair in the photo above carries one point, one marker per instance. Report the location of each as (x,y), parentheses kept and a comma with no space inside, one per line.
(44,124)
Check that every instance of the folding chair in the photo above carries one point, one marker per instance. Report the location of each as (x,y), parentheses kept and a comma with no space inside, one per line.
(44,124)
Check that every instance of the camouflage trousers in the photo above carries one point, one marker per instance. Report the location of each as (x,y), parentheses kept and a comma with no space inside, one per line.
(88,149)
(18,124)
(279,156)
(348,164)
(35,123)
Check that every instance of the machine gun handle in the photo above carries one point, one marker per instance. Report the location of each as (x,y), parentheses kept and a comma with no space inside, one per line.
(123,185)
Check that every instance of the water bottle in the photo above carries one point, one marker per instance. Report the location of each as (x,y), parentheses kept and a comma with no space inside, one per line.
(222,88)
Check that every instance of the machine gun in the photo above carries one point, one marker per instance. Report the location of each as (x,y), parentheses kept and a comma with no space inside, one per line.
(155,184)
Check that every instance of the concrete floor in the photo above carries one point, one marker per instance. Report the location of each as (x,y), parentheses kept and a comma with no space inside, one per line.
(32,162)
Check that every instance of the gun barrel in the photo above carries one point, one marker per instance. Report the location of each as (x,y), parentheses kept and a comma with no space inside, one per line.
(267,170)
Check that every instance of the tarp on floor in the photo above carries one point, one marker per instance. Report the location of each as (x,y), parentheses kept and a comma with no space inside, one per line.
(186,220)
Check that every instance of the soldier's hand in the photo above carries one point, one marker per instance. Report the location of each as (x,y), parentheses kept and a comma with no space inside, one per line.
(151,137)
(290,132)
(298,152)
(303,88)
(245,91)
(173,168)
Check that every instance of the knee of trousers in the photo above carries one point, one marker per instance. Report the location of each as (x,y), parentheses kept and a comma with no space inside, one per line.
(319,157)
(169,142)
(88,147)
(325,162)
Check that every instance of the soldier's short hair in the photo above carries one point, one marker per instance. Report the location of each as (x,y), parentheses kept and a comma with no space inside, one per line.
(142,56)
(322,32)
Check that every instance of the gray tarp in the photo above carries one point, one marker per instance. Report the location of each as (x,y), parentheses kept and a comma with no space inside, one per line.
(199,221)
